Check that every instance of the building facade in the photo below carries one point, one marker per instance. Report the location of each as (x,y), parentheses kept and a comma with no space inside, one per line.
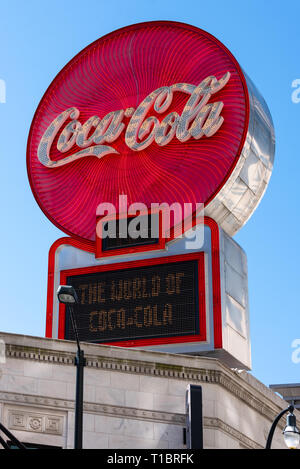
(132,398)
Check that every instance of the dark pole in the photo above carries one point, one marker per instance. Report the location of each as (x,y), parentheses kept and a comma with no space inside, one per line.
(11,437)
(80,364)
(274,425)
(194,432)
(3,443)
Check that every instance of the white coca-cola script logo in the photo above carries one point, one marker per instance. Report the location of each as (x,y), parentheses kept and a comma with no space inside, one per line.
(198,118)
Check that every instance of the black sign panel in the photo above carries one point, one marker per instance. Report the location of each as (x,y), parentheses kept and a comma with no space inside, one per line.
(130,232)
(143,302)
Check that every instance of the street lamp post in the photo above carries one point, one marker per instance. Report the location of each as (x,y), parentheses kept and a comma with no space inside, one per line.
(291,433)
(67,295)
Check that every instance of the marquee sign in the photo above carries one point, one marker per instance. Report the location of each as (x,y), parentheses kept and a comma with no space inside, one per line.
(159,111)
(175,299)
(142,301)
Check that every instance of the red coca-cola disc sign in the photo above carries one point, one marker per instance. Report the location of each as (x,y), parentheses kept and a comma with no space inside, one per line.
(156,111)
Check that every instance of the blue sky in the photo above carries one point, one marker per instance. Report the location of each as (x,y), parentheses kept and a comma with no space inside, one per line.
(38,38)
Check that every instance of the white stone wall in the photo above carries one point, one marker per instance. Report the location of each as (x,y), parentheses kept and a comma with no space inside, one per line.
(132,398)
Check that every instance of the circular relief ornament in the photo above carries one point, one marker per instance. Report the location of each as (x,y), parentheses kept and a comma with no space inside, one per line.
(159,112)
(35,423)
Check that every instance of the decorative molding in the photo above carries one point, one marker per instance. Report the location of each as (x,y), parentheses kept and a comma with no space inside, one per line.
(36,422)
(136,414)
(218,424)
(93,408)
(41,422)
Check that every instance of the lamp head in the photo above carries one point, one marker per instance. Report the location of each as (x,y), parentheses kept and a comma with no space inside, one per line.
(291,433)
(66,294)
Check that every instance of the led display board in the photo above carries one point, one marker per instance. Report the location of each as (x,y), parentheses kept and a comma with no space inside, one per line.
(162,300)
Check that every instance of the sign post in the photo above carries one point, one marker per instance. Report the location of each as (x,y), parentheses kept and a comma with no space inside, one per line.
(194,419)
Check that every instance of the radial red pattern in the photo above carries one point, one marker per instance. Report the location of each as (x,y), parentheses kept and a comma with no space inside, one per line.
(116,72)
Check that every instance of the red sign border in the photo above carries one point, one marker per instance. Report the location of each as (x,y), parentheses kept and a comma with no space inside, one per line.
(116,32)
